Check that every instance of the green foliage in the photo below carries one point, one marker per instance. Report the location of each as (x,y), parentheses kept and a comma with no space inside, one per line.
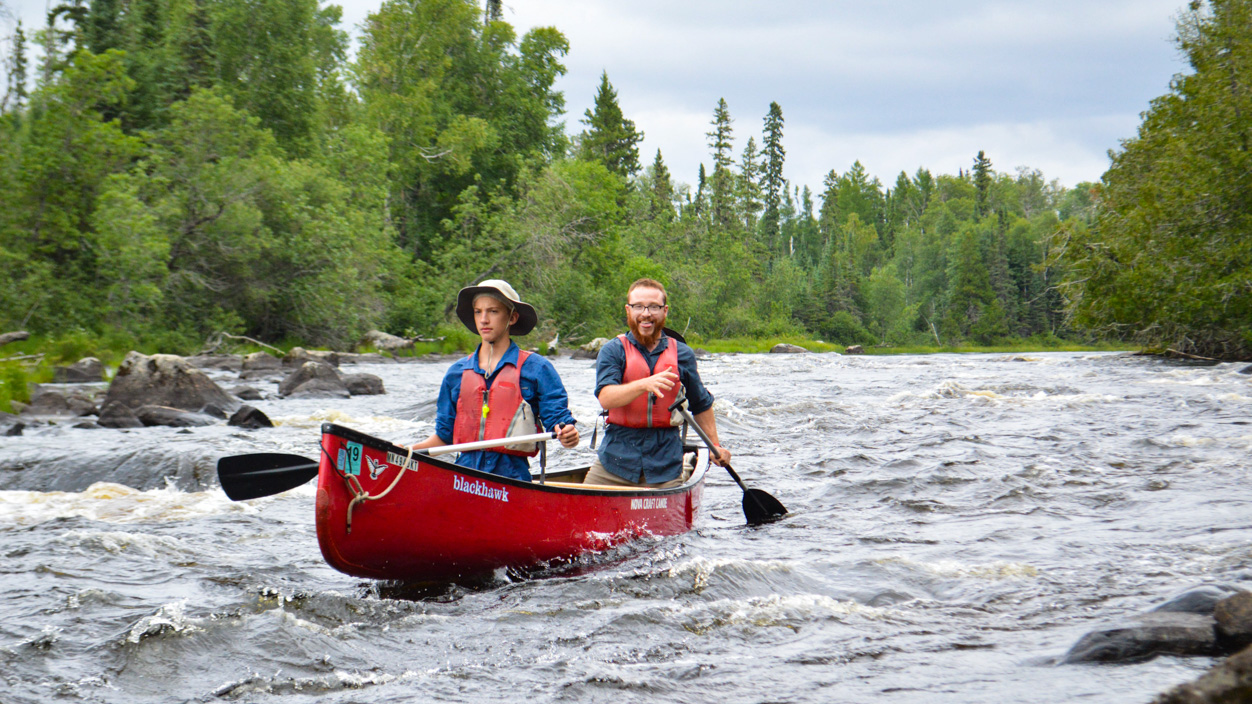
(186,167)
(1168,260)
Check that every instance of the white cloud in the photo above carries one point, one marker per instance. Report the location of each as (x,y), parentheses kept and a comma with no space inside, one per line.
(896,85)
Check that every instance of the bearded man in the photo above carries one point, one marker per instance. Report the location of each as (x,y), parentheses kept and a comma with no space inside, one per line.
(499,391)
(638,377)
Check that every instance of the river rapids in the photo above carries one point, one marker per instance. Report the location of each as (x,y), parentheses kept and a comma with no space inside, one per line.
(957,523)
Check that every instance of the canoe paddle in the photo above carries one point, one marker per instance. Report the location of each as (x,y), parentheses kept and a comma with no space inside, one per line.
(758,506)
(260,474)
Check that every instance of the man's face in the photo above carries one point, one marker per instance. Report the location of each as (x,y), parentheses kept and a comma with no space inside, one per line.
(644,323)
(492,318)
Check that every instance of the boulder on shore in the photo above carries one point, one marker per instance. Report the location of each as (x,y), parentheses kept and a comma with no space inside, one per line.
(85,370)
(380,340)
(165,380)
(260,361)
(784,348)
(591,350)
(298,356)
(854,349)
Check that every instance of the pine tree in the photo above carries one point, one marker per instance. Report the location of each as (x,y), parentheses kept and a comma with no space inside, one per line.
(661,197)
(773,183)
(102,26)
(749,186)
(721,141)
(982,182)
(16,90)
(611,139)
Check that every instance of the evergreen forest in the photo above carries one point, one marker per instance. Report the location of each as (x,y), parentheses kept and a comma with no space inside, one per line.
(171,169)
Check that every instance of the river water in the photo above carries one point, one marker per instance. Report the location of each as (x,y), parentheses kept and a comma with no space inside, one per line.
(957,523)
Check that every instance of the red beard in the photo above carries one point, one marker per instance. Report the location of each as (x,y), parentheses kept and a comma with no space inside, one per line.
(649,341)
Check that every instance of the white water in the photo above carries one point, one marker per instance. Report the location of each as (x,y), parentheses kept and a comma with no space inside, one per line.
(957,522)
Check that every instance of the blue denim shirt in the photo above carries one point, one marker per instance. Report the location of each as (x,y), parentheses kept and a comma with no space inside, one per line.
(541,388)
(656,453)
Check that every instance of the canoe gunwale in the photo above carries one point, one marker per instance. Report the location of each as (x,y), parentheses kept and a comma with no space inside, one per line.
(697,475)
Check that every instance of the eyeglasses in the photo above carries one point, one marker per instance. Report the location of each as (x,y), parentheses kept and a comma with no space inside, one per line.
(639,308)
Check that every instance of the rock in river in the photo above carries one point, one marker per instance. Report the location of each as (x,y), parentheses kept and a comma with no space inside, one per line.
(331,383)
(85,370)
(165,380)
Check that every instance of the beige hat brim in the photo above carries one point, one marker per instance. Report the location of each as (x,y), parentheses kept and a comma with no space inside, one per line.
(527,318)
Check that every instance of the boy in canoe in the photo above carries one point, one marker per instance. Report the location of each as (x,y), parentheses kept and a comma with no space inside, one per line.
(638,376)
(499,391)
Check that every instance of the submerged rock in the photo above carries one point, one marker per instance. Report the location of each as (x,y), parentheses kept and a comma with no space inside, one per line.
(247,393)
(250,418)
(1145,636)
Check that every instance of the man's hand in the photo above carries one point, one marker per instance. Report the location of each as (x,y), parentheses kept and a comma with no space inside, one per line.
(567,434)
(659,383)
(723,457)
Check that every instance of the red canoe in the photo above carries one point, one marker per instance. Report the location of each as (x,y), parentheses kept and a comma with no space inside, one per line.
(441,521)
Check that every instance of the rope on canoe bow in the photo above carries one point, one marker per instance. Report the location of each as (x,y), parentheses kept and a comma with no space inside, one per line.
(359,494)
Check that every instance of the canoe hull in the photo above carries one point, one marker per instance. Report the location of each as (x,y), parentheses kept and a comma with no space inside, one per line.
(441,521)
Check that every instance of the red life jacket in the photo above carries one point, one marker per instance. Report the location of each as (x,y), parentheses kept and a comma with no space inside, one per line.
(641,413)
(502,399)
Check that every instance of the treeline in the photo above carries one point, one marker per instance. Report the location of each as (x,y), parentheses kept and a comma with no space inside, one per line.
(182,167)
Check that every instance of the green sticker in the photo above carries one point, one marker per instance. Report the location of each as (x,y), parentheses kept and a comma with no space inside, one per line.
(350,459)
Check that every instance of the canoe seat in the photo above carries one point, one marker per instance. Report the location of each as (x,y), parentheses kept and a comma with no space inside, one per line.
(597,487)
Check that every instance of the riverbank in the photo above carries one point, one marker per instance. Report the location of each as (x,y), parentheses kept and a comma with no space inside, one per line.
(33,360)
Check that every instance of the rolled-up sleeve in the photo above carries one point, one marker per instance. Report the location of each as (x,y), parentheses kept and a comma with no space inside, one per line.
(445,404)
(542,387)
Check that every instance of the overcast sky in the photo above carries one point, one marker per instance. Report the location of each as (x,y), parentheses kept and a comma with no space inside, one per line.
(897,85)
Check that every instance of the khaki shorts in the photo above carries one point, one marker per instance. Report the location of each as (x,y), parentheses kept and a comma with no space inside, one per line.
(599,475)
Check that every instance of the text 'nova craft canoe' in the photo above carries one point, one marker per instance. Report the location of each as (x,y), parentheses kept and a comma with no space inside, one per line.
(442,521)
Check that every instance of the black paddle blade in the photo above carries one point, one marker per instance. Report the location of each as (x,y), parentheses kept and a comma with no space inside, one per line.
(759,507)
(252,476)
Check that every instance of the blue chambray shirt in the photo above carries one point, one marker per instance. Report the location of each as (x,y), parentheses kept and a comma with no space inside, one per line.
(541,388)
(654,452)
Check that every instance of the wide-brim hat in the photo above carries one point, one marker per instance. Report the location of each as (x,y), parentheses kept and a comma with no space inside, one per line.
(500,289)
